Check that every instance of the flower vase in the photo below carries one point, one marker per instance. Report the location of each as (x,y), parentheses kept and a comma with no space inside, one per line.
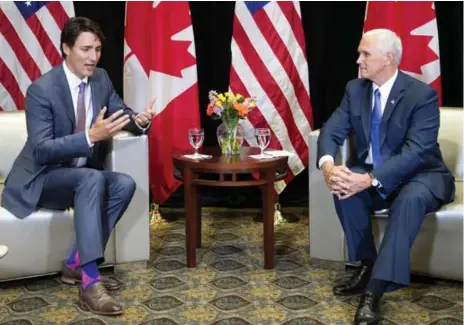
(230,135)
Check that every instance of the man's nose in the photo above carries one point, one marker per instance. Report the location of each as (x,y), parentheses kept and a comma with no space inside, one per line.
(93,55)
(359,60)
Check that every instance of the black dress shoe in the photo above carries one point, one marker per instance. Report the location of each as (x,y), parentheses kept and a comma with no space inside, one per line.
(368,312)
(356,284)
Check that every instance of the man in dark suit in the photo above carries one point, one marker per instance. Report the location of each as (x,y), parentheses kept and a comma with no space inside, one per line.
(69,111)
(394,120)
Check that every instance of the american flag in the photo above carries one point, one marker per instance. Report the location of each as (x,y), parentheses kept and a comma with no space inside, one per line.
(269,62)
(30,45)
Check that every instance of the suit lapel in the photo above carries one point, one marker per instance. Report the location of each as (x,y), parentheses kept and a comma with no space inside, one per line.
(95,90)
(396,94)
(366,111)
(63,89)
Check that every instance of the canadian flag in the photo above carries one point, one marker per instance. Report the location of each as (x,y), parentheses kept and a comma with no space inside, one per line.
(159,61)
(416,24)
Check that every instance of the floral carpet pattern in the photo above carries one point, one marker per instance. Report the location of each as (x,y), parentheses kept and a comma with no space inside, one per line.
(229,285)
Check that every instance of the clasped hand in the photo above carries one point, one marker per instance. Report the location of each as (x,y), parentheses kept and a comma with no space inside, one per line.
(344,183)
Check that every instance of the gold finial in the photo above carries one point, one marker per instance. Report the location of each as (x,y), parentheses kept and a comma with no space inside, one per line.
(278,219)
(155,215)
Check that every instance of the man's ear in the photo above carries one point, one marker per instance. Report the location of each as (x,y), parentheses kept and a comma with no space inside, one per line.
(390,59)
(66,49)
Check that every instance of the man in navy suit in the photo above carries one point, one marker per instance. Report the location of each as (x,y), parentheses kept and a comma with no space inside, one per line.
(69,111)
(394,120)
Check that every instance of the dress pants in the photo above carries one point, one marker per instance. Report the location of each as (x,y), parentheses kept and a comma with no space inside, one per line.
(407,208)
(99,199)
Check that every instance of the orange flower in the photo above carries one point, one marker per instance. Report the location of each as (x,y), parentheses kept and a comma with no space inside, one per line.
(209,111)
(242,110)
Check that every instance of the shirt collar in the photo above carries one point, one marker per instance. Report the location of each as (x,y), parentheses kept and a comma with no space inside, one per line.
(386,88)
(73,80)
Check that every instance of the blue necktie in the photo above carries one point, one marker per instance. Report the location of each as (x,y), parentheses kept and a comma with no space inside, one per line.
(375,130)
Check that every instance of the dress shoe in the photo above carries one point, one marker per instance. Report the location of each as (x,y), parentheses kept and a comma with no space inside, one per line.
(3,250)
(368,312)
(356,284)
(97,299)
(70,276)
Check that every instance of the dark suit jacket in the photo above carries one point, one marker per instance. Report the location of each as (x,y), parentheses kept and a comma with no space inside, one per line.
(51,141)
(408,134)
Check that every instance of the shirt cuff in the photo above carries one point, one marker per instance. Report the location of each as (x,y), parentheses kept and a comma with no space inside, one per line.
(324,159)
(88,139)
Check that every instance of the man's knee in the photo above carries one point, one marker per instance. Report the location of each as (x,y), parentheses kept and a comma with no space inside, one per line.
(126,186)
(417,199)
(92,178)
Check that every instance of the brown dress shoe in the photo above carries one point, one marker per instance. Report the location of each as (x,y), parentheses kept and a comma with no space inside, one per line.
(99,301)
(70,276)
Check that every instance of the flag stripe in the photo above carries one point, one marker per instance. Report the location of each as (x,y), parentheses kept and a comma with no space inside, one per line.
(289,11)
(255,117)
(11,87)
(23,55)
(11,61)
(269,62)
(30,35)
(44,40)
(292,83)
(271,90)
(60,11)
(273,118)
(51,27)
(27,39)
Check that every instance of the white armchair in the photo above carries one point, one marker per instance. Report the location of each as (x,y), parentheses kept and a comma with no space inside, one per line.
(39,243)
(437,250)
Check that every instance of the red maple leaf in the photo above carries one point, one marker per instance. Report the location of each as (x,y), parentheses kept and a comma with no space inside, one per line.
(149,33)
(403,17)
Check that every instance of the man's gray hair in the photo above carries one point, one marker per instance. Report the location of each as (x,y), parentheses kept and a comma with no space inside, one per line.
(387,41)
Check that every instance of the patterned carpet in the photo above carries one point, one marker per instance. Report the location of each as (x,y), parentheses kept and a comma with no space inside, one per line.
(229,285)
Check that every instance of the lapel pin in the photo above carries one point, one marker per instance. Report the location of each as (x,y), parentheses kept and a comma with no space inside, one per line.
(393,101)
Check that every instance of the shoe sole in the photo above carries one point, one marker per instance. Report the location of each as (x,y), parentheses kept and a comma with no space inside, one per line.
(107,313)
(339,294)
(72,281)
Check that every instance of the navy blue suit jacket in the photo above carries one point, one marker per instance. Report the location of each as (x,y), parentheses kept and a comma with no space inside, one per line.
(51,141)
(408,135)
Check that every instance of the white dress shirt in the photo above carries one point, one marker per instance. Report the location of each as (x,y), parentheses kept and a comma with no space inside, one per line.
(384,90)
(74,82)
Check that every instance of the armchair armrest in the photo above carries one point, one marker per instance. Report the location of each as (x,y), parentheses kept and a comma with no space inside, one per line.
(326,237)
(128,154)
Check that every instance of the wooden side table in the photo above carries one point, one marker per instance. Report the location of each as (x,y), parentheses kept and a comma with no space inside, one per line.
(226,168)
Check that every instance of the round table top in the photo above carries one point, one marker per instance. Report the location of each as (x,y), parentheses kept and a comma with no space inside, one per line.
(218,161)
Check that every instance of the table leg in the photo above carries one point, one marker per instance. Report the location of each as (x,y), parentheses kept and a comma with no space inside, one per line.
(268,197)
(190,197)
(198,216)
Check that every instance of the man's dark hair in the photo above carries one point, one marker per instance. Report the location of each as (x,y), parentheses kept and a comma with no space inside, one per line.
(74,27)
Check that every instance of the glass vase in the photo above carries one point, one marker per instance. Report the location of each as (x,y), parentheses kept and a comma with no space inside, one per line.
(230,135)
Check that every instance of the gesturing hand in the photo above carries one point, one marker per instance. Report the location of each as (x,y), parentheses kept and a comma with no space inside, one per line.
(105,128)
(142,119)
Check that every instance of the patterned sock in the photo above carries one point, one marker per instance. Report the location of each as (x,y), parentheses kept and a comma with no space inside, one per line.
(90,274)
(73,260)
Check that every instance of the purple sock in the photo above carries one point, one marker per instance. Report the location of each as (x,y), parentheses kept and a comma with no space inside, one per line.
(90,274)
(73,260)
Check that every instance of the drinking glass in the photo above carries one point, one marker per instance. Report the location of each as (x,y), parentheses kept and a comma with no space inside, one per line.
(196,137)
(263,137)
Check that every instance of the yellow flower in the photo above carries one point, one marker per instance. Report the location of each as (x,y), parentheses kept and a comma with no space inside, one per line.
(221,97)
(252,104)
(218,103)
(239,97)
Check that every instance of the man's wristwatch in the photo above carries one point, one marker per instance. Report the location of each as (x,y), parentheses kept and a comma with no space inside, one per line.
(374,181)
